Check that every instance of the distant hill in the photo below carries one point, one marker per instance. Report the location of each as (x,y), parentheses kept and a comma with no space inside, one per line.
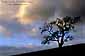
(10,50)
(58,51)
(7,51)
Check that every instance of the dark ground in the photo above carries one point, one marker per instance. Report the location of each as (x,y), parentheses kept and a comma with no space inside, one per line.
(68,50)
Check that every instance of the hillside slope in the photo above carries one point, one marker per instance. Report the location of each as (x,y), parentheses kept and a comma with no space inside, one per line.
(58,51)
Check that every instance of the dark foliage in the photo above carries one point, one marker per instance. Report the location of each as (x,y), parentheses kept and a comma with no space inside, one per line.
(61,34)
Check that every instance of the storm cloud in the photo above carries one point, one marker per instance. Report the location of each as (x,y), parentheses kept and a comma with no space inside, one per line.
(36,12)
(20,18)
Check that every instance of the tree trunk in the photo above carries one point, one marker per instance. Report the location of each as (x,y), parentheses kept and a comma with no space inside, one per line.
(60,45)
(62,42)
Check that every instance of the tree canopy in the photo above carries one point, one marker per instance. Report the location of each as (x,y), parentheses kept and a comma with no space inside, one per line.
(62,33)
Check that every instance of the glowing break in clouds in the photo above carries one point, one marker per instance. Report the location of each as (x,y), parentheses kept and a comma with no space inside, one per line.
(24,16)
(22,13)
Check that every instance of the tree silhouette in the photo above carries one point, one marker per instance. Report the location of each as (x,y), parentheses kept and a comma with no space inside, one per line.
(61,33)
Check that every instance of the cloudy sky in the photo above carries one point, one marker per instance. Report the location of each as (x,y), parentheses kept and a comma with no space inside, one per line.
(20,19)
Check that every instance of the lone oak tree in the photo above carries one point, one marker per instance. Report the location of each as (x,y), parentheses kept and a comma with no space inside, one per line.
(61,33)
